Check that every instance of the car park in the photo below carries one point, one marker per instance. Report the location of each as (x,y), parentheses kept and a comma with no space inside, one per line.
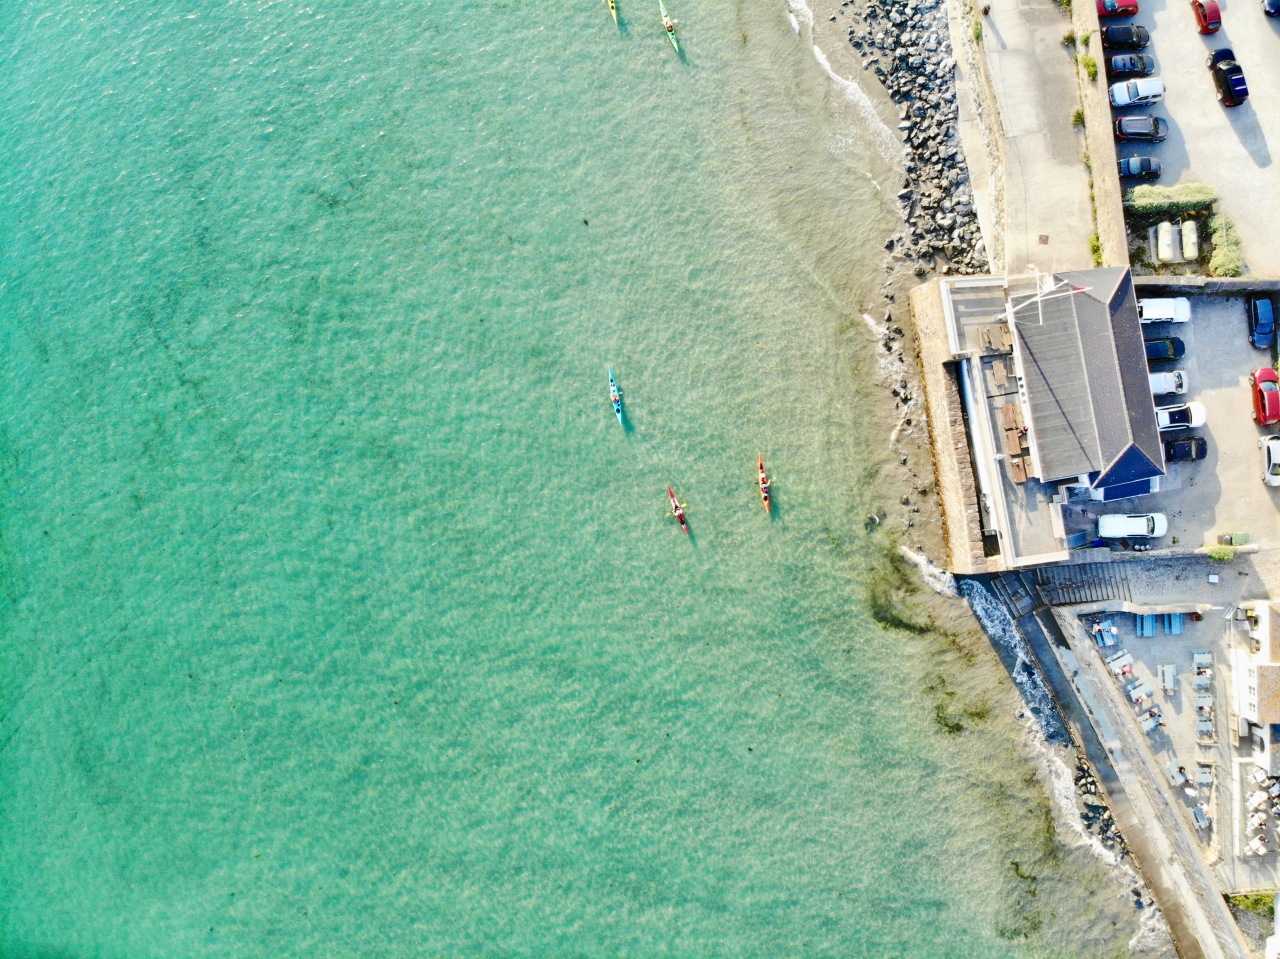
(1228,77)
(1185,449)
(1138,168)
(1172,309)
(1165,348)
(1266,396)
(1174,381)
(1144,129)
(1127,37)
(1131,65)
(1117,8)
(1132,525)
(1208,15)
(1262,322)
(1180,417)
(1270,460)
(1136,93)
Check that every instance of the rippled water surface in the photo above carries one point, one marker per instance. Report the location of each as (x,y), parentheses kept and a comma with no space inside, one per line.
(340,617)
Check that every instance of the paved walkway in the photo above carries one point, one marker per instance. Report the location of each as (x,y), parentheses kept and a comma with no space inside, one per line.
(1177,859)
(1046,192)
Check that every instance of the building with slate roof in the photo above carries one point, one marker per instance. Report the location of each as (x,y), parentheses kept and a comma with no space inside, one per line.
(1038,399)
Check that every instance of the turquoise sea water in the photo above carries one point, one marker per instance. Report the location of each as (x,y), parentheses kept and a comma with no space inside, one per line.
(339,616)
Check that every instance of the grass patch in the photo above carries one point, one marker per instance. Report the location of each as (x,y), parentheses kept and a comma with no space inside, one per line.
(1090,66)
(1221,553)
(1085,39)
(1095,249)
(1064,6)
(977,31)
(1260,903)
(1069,40)
(1077,118)
(1227,258)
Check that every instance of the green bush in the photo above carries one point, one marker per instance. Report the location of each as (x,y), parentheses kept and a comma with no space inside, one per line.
(1166,201)
(1069,39)
(1090,66)
(1227,257)
(977,31)
(1221,553)
(1095,249)
(1262,903)
(1077,118)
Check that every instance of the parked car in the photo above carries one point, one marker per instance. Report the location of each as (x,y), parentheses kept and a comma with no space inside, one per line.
(1144,128)
(1266,396)
(1131,65)
(1185,449)
(1271,8)
(1228,78)
(1127,37)
(1141,168)
(1270,460)
(1174,381)
(1136,93)
(1181,417)
(1173,309)
(1117,8)
(1165,348)
(1262,322)
(1132,525)
(1208,16)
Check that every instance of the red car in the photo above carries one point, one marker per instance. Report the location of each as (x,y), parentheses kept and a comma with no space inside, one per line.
(1208,16)
(1266,396)
(1117,8)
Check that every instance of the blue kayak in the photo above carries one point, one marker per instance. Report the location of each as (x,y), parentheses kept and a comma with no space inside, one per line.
(615,396)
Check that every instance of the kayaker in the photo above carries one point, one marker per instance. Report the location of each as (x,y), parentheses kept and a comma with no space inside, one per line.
(669,24)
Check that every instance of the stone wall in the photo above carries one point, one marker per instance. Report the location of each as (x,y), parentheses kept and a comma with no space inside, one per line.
(953,467)
(1108,201)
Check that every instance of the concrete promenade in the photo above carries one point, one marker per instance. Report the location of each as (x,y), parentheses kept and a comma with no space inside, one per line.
(1047,216)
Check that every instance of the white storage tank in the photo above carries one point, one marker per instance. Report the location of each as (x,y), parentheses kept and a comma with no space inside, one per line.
(1190,240)
(1166,243)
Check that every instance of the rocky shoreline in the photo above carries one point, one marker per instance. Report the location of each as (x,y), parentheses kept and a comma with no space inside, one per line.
(906,45)
(1094,811)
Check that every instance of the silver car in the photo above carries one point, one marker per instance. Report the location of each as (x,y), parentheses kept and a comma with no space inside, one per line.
(1270,460)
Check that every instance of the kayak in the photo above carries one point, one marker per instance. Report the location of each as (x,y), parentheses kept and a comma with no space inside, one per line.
(671,34)
(677,509)
(763,479)
(613,9)
(615,396)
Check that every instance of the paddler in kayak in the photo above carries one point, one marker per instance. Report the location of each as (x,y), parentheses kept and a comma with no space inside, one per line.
(669,25)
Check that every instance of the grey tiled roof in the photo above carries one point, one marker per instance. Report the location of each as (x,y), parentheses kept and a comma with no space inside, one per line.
(1085,372)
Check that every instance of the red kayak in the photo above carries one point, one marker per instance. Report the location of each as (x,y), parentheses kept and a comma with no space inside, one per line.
(763,480)
(677,509)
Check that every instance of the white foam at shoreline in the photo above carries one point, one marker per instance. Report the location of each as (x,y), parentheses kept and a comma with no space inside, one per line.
(887,143)
(937,579)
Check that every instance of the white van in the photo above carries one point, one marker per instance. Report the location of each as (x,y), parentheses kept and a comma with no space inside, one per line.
(1174,310)
(1173,381)
(1132,525)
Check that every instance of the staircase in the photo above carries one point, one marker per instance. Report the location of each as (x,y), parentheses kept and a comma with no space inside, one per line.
(1081,583)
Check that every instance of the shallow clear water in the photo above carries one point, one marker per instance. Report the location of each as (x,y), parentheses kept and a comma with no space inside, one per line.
(339,615)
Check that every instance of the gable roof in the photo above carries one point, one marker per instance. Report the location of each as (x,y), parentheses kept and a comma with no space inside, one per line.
(1079,345)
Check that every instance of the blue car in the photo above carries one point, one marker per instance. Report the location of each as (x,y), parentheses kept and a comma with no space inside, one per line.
(1262,322)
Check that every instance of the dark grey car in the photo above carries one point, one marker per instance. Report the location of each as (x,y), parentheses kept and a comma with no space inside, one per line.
(1131,65)
(1143,168)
